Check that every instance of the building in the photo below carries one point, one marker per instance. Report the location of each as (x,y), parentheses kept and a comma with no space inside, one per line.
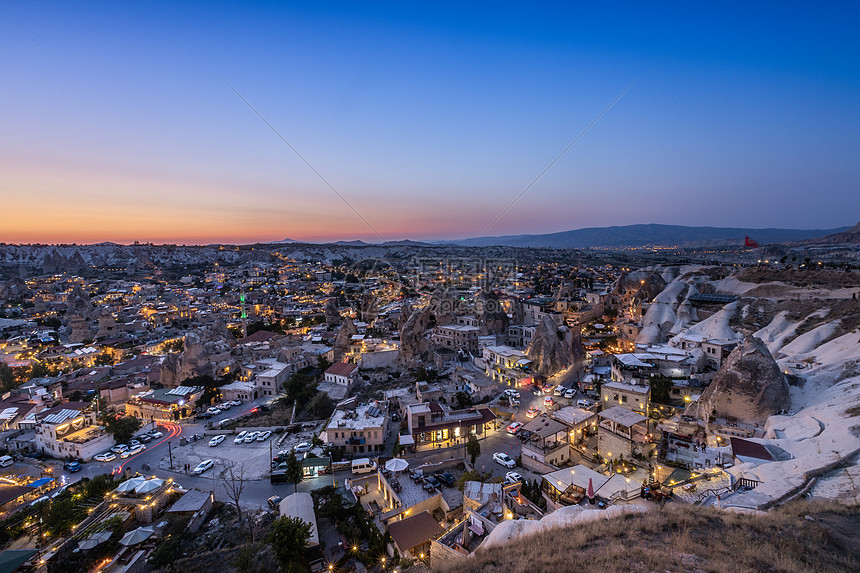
(412,535)
(547,446)
(171,404)
(70,430)
(621,432)
(431,426)
(579,422)
(270,376)
(341,373)
(505,364)
(632,397)
(195,505)
(457,337)
(569,486)
(357,429)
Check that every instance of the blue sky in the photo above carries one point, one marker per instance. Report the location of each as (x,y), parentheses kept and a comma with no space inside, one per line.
(428,118)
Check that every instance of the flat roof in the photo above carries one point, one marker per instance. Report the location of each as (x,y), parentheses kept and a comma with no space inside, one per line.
(413,531)
(622,416)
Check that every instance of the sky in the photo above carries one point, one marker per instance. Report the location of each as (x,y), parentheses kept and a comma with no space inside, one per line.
(421,120)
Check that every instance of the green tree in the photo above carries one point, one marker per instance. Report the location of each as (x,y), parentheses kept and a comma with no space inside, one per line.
(425,374)
(7,377)
(473,448)
(463,400)
(294,471)
(289,538)
(122,428)
(323,363)
(104,359)
(661,389)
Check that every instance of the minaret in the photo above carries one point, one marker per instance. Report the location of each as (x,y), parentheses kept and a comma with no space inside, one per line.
(244,316)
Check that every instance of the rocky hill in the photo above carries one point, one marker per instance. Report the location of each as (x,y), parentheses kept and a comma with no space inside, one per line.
(800,537)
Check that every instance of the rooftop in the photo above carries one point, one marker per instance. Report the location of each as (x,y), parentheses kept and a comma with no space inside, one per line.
(622,416)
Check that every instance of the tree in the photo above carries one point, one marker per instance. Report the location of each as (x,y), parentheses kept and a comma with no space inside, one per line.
(294,471)
(463,400)
(104,359)
(323,363)
(7,377)
(234,483)
(122,428)
(473,448)
(289,538)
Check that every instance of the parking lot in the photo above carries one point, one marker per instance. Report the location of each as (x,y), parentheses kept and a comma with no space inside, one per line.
(255,456)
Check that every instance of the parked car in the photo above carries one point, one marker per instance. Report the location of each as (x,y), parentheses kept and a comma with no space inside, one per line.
(175,485)
(105,457)
(133,443)
(203,415)
(504,459)
(240,437)
(512,394)
(513,477)
(154,434)
(119,448)
(250,437)
(303,447)
(433,481)
(213,411)
(515,427)
(72,467)
(533,411)
(446,478)
(569,393)
(132,451)
(59,491)
(217,440)
(264,436)
(143,438)
(275,501)
(548,401)
(203,466)
(235,403)
(559,390)
(583,403)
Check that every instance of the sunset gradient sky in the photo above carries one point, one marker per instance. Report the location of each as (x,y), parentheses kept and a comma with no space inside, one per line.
(117,123)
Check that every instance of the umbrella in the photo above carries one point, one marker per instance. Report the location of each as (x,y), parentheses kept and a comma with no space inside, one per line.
(149,485)
(130,485)
(396,465)
(93,540)
(590,490)
(136,536)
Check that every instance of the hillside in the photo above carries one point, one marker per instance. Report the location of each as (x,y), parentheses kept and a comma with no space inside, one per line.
(680,538)
(648,235)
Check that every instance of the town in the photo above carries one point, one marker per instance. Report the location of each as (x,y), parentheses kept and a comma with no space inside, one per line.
(402,408)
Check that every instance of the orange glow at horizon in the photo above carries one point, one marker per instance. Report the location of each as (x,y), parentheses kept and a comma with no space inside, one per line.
(85,207)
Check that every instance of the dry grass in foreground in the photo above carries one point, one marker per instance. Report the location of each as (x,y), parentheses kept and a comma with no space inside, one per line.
(682,538)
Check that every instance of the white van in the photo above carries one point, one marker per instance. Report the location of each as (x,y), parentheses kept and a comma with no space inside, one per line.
(363,466)
(6,461)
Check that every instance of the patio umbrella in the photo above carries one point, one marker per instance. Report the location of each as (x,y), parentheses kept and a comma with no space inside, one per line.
(135,536)
(130,484)
(590,491)
(94,540)
(396,465)
(149,485)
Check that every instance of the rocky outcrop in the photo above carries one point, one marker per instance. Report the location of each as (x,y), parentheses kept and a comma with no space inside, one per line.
(332,316)
(553,348)
(748,387)
(344,335)
(14,289)
(107,325)
(368,308)
(78,303)
(518,313)
(492,318)
(414,345)
(405,312)
(206,352)
(79,330)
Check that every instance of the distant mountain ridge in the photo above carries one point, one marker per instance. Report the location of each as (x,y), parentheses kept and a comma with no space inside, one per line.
(644,235)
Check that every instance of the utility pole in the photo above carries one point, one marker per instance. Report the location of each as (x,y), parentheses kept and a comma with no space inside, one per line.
(170,453)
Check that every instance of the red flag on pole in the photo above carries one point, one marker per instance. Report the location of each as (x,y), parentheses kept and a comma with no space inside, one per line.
(750,242)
